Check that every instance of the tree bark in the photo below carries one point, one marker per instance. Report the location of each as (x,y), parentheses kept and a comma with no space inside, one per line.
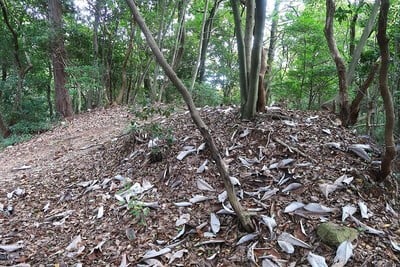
(340,65)
(383,42)
(241,55)
(248,33)
(244,218)
(271,49)
(261,99)
(251,103)
(58,56)
(361,92)
(206,39)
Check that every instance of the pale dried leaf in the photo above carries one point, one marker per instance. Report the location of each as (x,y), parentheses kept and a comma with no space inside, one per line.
(294,206)
(348,211)
(247,238)
(343,254)
(12,247)
(203,185)
(203,167)
(344,180)
(250,253)
(293,240)
(268,263)
(234,180)
(286,246)
(395,245)
(100,212)
(245,133)
(270,223)
(360,151)
(363,209)
(291,187)
(316,261)
(177,255)
(130,233)
(183,219)
(180,233)
(269,193)
(222,197)
(153,253)
(366,228)
(391,210)
(215,223)
(184,153)
(333,145)
(290,123)
(46,207)
(317,208)
(123,261)
(183,204)
(74,245)
(198,198)
(326,189)
(201,147)
(327,131)
(153,263)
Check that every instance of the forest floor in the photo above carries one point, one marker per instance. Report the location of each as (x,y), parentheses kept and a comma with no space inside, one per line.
(90,193)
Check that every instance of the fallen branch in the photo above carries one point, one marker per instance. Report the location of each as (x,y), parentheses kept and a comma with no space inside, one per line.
(293,149)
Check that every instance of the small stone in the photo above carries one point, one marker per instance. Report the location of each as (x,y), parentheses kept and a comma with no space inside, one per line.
(334,234)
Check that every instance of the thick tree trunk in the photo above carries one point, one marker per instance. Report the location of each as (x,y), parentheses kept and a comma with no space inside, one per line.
(244,218)
(383,42)
(340,65)
(248,33)
(58,56)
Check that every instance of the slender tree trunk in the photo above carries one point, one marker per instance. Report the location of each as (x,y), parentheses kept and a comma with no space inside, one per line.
(244,218)
(271,50)
(124,80)
(248,33)
(383,42)
(251,104)
(361,44)
(197,63)
(241,55)
(340,65)
(361,92)
(261,99)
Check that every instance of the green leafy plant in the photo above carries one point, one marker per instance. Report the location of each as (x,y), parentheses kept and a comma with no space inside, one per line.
(138,210)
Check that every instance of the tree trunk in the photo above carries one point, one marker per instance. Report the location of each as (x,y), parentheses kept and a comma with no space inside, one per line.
(340,65)
(248,33)
(360,45)
(58,56)
(124,79)
(196,67)
(362,91)
(251,103)
(261,99)
(244,218)
(271,50)
(206,39)
(4,130)
(241,55)
(383,42)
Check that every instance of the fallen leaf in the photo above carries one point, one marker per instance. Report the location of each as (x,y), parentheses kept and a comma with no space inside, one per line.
(315,260)
(215,223)
(343,254)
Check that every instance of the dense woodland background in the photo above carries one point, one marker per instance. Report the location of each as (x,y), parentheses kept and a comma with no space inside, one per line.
(98,51)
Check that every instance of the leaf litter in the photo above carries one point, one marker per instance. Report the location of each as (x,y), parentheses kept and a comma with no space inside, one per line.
(108,204)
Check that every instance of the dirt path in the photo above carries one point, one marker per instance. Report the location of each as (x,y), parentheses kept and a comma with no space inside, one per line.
(66,141)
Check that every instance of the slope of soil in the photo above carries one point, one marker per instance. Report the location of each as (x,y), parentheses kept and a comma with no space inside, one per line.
(64,194)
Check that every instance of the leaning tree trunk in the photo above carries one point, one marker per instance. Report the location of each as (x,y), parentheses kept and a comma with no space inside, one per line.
(340,65)
(383,42)
(244,218)
(261,99)
(58,57)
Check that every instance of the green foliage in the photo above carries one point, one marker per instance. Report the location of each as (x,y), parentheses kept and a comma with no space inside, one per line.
(138,210)
(206,95)
(13,139)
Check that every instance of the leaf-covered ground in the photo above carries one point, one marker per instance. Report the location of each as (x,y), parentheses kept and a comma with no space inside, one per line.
(89,194)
